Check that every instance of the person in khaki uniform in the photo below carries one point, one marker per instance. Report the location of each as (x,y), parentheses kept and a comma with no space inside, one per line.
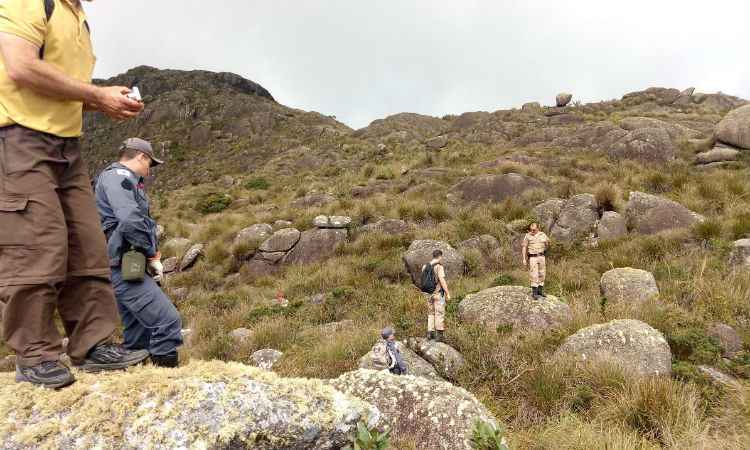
(534,248)
(52,249)
(437,300)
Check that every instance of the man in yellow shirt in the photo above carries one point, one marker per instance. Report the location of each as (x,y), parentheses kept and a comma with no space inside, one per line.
(52,249)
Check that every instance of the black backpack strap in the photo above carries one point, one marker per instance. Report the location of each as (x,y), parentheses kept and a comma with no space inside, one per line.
(49,8)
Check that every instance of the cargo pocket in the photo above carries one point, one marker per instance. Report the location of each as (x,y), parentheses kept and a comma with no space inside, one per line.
(16,223)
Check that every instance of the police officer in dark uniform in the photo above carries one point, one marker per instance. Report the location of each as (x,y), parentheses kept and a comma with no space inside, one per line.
(149,318)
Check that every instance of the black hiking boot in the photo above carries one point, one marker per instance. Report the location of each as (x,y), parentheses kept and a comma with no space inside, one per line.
(540,292)
(168,360)
(439,336)
(112,357)
(535,292)
(49,374)
(430,335)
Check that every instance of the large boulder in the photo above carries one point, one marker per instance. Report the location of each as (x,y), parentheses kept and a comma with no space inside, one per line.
(563,99)
(734,128)
(281,241)
(316,245)
(415,365)
(314,200)
(176,245)
(201,405)
(436,415)
(727,337)
(546,213)
(420,253)
(254,234)
(266,358)
(625,284)
(487,245)
(675,131)
(632,344)
(191,256)
(513,306)
(577,218)
(442,356)
(717,154)
(651,214)
(650,145)
(387,226)
(612,225)
(495,188)
(740,254)
(332,221)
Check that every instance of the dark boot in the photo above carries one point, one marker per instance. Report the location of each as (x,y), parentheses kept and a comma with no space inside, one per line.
(168,360)
(540,292)
(534,293)
(440,337)
(112,357)
(50,374)
(430,335)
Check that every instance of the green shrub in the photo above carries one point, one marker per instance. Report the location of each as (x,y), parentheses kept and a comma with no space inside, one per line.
(740,227)
(485,436)
(503,280)
(657,183)
(692,344)
(257,184)
(707,230)
(366,439)
(213,202)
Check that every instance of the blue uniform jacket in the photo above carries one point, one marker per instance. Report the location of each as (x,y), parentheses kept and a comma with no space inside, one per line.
(125,213)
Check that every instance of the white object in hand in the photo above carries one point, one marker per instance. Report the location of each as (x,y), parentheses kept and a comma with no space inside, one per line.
(135,94)
(157,269)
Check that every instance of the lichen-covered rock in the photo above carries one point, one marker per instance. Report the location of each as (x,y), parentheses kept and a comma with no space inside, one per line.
(266,358)
(651,214)
(314,200)
(577,218)
(436,415)
(563,99)
(734,128)
(387,226)
(727,337)
(612,225)
(717,154)
(632,344)
(487,245)
(176,245)
(281,241)
(240,335)
(316,245)
(437,142)
(625,284)
(254,234)
(201,405)
(420,253)
(675,131)
(546,213)
(740,254)
(171,264)
(191,256)
(644,144)
(718,377)
(332,221)
(415,365)
(495,188)
(442,356)
(514,306)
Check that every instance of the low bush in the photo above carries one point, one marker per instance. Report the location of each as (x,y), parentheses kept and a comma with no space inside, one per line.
(213,202)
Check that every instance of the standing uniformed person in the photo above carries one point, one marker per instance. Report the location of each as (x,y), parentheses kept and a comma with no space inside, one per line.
(150,320)
(534,249)
(52,251)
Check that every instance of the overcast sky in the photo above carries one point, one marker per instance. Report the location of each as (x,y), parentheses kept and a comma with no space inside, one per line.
(364,60)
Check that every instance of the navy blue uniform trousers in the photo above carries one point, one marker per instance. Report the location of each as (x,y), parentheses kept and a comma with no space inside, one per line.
(149,318)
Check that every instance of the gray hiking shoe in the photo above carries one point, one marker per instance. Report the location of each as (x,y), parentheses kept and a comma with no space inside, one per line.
(112,357)
(49,374)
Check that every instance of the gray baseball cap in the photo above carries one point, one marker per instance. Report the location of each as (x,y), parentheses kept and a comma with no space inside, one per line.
(143,147)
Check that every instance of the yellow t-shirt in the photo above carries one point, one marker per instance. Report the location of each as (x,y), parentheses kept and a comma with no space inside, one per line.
(67,46)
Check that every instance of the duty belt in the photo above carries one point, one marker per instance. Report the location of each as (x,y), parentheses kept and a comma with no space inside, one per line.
(535,255)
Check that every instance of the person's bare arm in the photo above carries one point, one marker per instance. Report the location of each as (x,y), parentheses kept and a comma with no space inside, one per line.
(26,69)
(525,252)
(443,283)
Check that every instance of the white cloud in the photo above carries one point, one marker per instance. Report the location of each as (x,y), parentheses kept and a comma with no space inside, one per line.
(364,60)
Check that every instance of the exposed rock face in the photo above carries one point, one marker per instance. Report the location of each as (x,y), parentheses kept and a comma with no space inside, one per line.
(420,253)
(315,245)
(332,221)
(403,127)
(442,356)
(171,264)
(718,377)
(202,405)
(650,214)
(734,129)
(266,358)
(191,256)
(717,154)
(415,365)
(577,218)
(728,338)
(634,345)
(612,225)
(675,131)
(314,200)
(547,213)
(254,234)
(531,107)
(646,145)
(629,285)
(740,255)
(487,245)
(240,335)
(435,414)
(178,245)
(437,143)
(387,226)
(563,99)
(281,241)
(495,188)
(514,306)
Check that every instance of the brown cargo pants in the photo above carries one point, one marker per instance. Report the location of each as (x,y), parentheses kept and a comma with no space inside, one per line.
(52,249)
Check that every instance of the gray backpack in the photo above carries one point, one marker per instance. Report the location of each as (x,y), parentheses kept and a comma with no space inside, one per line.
(381,359)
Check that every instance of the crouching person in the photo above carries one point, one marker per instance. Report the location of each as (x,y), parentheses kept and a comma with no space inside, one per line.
(149,318)
(385,354)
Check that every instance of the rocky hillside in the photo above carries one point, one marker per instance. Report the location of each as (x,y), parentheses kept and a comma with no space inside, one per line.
(291,240)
